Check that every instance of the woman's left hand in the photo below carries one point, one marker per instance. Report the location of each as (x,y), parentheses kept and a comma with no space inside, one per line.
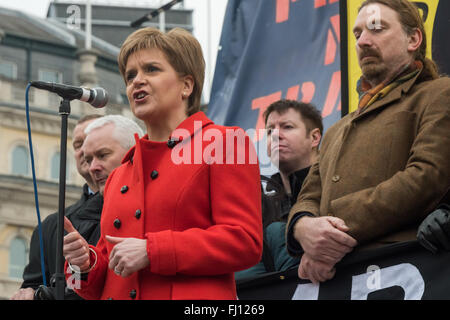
(128,255)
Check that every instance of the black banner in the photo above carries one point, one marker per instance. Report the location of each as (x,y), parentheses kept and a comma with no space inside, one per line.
(402,271)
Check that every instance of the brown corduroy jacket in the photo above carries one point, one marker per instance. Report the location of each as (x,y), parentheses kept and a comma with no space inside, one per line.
(384,170)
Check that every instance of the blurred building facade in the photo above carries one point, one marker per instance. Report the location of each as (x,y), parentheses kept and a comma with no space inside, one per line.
(52,50)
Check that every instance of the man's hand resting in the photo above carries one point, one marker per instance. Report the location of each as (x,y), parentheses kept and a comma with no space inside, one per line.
(325,242)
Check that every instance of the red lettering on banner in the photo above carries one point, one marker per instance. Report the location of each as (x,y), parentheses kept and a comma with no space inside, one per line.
(336,26)
(292,93)
(333,94)
(308,89)
(262,103)
(331,49)
(321,3)
(282,11)
(282,8)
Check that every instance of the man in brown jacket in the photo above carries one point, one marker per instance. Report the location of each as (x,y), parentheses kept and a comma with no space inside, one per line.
(385,167)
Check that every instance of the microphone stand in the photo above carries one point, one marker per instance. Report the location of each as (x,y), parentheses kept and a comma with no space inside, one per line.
(60,281)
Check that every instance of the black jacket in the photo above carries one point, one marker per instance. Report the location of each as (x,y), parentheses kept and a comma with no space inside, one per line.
(85,217)
(276,204)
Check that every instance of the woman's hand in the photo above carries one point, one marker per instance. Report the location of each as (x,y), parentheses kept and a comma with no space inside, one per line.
(75,247)
(128,255)
(23,294)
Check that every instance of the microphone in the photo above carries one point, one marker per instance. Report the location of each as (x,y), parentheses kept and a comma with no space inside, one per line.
(97,97)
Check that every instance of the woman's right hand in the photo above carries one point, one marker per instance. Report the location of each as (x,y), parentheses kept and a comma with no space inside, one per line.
(76,248)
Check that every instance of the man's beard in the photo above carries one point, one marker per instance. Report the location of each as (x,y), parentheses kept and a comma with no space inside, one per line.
(373,70)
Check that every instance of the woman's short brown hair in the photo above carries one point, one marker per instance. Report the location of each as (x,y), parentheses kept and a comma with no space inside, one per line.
(182,51)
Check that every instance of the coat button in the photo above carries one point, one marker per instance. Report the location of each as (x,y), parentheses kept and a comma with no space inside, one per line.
(137,214)
(172,142)
(117,223)
(124,189)
(336,178)
(154,174)
(133,294)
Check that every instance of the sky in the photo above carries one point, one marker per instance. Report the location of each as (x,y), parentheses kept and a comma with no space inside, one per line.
(36,7)
(206,30)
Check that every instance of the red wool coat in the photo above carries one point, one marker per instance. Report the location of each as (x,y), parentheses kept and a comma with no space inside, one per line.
(197,205)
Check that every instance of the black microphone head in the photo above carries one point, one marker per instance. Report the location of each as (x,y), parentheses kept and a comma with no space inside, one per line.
(100,99)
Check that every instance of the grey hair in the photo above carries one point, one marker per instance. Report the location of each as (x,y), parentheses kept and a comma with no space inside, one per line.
(124,129)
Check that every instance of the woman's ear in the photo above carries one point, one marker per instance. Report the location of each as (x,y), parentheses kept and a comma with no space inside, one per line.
(188,86)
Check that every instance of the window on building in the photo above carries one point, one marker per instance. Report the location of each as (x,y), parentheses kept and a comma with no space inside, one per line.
(8,69)
(20,161)
(18,93)
(50,75)
(54,167)
(18,257)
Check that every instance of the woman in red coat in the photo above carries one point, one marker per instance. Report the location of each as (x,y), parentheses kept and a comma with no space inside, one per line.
(183,211)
